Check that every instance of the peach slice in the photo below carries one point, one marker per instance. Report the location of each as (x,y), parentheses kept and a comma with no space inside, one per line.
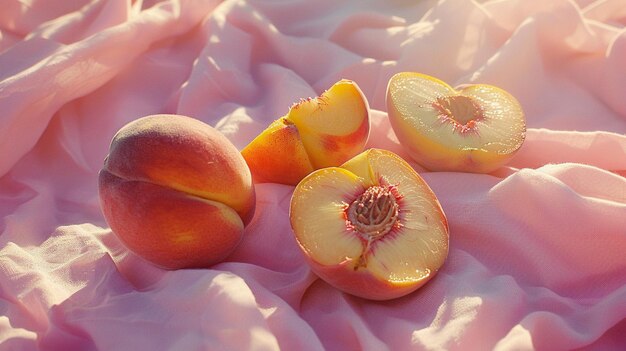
(372,227)
(477,128)
(176,191)
(315,133)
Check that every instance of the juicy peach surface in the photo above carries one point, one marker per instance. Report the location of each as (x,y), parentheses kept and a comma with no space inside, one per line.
(394,258)
(316,133)
(474,129)
(176,191)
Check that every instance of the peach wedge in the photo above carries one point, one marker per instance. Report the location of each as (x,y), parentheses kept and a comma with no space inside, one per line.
(316,133)
(176,191)
(371,227)
(477,128)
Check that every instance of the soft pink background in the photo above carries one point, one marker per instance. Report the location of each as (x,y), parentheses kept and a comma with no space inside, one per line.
(537,249)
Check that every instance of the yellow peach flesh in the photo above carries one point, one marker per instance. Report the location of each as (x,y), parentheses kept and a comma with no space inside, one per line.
(334,126)
(318,216)
(343,98)
(421,218)
(475,129)
(398,262)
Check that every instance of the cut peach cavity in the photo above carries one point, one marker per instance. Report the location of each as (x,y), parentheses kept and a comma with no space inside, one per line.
(374,212)
(372,227)
(477,128)
(462,112)
(316,132)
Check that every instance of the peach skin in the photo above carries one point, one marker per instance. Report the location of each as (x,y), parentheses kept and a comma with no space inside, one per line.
(315,133)
(176,191)
(371,227)
(477,128)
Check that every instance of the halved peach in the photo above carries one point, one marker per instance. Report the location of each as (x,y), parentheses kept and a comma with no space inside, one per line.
(316,132)
(372,228)
(477,128)
(176,191)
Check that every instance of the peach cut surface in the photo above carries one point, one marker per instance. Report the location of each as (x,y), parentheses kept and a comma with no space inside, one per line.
(477,128)
(372,227)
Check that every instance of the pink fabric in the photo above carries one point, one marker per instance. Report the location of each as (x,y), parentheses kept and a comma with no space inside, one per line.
(537,249)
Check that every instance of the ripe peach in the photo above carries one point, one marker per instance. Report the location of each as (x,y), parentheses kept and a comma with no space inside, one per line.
(316,132)
(477,128)
(372,227)
(176,191)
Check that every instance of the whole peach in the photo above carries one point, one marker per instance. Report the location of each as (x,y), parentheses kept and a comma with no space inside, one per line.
(176,191)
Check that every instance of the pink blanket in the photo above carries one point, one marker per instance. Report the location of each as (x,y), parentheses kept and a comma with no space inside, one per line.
(537,249)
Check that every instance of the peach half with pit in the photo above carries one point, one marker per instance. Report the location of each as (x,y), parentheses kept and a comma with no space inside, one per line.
(315,133)
(476,128)
(176,191)
(372,227)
